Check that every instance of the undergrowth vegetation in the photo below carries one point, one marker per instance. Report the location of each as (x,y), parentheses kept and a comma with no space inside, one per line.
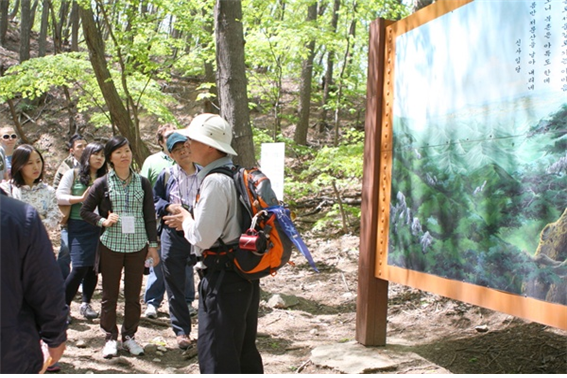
(310,181)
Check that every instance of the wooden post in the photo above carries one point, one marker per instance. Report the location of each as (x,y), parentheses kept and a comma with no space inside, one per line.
(372,299)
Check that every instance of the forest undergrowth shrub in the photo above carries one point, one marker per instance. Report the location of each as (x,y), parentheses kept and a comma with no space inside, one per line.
(311,176)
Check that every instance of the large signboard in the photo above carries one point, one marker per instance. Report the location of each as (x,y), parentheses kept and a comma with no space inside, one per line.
(475,163)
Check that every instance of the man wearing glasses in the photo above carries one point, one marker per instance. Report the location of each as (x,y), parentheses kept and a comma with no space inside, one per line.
(9,140)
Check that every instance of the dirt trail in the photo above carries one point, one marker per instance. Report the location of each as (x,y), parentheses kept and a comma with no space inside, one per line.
(426,333)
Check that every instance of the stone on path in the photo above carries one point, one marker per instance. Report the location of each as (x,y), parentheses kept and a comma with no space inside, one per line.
(351,358)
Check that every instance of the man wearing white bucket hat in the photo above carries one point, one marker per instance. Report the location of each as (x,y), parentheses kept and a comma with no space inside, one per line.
(228,303)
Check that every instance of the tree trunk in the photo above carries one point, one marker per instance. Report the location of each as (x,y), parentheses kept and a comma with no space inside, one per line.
(42,40)
(25,30)
(211,105)
(300,136)
(232,84)
(71,111)
(118,113)
(17,123)
(61,29)
(330,67)
(14,10)
(352,33)
(14,115)
(74,20)
(32,12)
(3,21)
(346,62)
(55,30)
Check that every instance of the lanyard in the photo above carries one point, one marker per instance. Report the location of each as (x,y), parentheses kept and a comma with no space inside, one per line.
(127,200)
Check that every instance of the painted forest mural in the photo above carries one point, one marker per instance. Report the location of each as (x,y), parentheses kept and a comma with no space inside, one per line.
(479,181)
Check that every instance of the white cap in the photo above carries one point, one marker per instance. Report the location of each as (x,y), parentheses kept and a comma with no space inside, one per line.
(212,130)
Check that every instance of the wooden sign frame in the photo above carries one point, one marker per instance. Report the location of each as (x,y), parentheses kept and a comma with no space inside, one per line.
(374,271)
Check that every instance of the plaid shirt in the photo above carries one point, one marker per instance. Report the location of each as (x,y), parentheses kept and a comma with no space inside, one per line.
(126,201)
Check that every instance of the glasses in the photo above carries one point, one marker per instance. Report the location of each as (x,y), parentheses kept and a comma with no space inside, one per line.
(7,136)
(181,147)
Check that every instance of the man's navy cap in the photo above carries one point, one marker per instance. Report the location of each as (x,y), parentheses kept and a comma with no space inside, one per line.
(173,139)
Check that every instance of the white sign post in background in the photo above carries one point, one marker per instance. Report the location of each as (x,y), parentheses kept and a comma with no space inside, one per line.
(272,160)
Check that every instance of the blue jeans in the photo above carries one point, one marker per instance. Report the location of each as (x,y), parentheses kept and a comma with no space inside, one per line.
(179,281)
(63,257)
(155,285)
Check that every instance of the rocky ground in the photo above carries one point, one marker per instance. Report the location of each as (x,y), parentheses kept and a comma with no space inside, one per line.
(304,312)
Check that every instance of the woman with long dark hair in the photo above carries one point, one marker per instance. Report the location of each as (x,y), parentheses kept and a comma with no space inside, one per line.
(83,236)
(26,184)
(129,238)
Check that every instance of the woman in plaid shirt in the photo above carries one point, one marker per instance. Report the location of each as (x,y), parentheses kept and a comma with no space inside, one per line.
(127,215)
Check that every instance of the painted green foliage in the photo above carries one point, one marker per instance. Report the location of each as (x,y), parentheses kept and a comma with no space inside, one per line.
(473,211)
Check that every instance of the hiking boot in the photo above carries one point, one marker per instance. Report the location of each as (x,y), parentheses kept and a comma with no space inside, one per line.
(183,342)
(88,312)
(110,349)
(132,346)
(192,310)
(151,312)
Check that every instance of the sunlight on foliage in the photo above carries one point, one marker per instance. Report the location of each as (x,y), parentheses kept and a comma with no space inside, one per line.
(35,77)
(342,165)
(333,217)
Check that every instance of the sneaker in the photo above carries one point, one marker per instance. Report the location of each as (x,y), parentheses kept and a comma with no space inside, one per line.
(192,310)
(151,311)
(53,368)
(88,312)
(110,349)
(183,342)
(132,346)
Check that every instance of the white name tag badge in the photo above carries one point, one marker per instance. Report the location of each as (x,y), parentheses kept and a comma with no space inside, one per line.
(128,224)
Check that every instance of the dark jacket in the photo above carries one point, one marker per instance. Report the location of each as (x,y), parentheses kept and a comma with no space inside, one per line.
(33,296)
(162,196)
(162,191)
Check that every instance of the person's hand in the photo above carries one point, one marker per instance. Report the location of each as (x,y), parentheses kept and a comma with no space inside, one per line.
(152,252)
(178,215)
(85,195)
(56,353)
(111,220)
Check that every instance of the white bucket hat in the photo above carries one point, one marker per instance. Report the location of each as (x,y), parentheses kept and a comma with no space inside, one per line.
(212,130)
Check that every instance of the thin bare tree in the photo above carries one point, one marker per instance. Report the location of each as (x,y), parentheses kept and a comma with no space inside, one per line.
(329,83)
(119,114)
(300,136)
